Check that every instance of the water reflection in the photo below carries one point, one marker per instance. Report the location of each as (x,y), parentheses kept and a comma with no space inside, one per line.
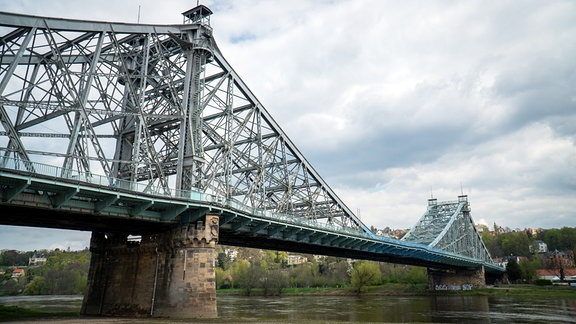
(444,309)
(298,309)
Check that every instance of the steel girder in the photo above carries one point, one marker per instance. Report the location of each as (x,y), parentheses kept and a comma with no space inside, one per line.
(448,226)
(155,104)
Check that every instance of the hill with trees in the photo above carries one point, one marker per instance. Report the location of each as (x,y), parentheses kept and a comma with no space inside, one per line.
(272,272)
(63,273)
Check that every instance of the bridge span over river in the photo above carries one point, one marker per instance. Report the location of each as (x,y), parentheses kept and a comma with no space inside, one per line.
(131,129)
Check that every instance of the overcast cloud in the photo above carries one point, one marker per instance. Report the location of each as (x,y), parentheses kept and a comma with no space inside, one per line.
(395,101)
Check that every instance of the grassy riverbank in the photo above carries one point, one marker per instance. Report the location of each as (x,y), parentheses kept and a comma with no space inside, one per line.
(13,313)
(519,291)
(383,290)
(527,291)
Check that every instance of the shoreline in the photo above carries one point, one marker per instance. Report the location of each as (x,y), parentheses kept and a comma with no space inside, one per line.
(524,290)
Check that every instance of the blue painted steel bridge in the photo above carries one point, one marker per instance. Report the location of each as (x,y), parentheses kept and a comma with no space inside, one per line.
(135,129)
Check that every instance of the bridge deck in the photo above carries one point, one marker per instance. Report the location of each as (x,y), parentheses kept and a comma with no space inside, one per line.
(46,200)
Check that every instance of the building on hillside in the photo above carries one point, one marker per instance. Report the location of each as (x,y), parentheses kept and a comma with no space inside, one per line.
(559,259)
(37,259)
(399,233)
(17,273)
(503,262)
(481,228)
(554,275)
(232,254)
(319,258)
(538,246)
(387,232)
(294,259)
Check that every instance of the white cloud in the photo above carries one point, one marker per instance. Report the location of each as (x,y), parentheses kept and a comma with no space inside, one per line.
(524,179)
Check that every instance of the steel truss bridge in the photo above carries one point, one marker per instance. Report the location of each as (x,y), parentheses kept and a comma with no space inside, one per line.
(137,128)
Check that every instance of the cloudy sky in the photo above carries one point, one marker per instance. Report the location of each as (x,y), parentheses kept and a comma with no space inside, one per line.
(395,101)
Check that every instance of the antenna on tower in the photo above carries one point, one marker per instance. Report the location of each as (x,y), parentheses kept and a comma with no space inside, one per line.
(461,190)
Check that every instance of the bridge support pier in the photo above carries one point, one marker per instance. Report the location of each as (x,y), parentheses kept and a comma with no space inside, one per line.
(456,279)
(170,274)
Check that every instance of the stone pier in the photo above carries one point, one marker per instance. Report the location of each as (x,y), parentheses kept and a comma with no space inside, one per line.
(170,274)
(456,279)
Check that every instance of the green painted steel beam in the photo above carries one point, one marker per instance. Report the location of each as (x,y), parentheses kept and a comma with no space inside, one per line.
(225,219)
(259,227)
(290,233)
(317,238)
(273,231)
(193,215)
(62,197)
(304,235)
(140,208)
(172,212)
(11,192)
(106,202)
(241,223)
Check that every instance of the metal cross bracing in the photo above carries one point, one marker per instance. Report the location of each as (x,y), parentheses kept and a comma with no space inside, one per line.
(448,226)
(158,105)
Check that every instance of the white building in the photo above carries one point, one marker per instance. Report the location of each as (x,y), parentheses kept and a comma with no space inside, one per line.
(538,246)
(37,259)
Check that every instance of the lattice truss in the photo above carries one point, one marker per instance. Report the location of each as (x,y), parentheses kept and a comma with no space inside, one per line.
(158,104)
(448,226)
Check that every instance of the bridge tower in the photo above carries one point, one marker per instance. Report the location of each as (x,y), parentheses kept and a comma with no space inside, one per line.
(449,226)
(169,274)
(198,51)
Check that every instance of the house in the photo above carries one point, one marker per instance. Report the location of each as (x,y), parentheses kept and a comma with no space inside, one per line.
(294,259)
(17,273)
(554,275)
(559,259)
(538,246)
(503,262)
(37,259)
(232,254)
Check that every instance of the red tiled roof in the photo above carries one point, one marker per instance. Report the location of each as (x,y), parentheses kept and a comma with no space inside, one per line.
(548,272)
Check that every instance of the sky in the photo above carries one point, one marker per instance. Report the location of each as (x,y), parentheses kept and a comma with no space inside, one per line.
(394,102)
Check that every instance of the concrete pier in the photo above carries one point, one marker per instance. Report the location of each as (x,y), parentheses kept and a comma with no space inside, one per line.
(456,279)
(169,274)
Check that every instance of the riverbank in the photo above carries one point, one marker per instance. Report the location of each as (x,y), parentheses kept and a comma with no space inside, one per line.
(419,290)
(14,313)
(528,291)
(381,290)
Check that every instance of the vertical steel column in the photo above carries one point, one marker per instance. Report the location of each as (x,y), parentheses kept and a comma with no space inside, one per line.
(190,170)
(4,119)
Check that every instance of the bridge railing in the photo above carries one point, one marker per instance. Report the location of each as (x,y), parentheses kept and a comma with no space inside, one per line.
(57,172)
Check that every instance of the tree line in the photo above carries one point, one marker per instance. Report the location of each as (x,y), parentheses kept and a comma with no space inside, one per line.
(517,243)
(269,273)
(64,273)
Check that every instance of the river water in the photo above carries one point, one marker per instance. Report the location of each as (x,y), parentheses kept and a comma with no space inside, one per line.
(329,309)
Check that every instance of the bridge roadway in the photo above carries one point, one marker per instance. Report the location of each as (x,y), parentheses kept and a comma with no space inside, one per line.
(95,203)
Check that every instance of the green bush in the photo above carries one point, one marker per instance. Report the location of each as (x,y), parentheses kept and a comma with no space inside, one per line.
(542,282)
